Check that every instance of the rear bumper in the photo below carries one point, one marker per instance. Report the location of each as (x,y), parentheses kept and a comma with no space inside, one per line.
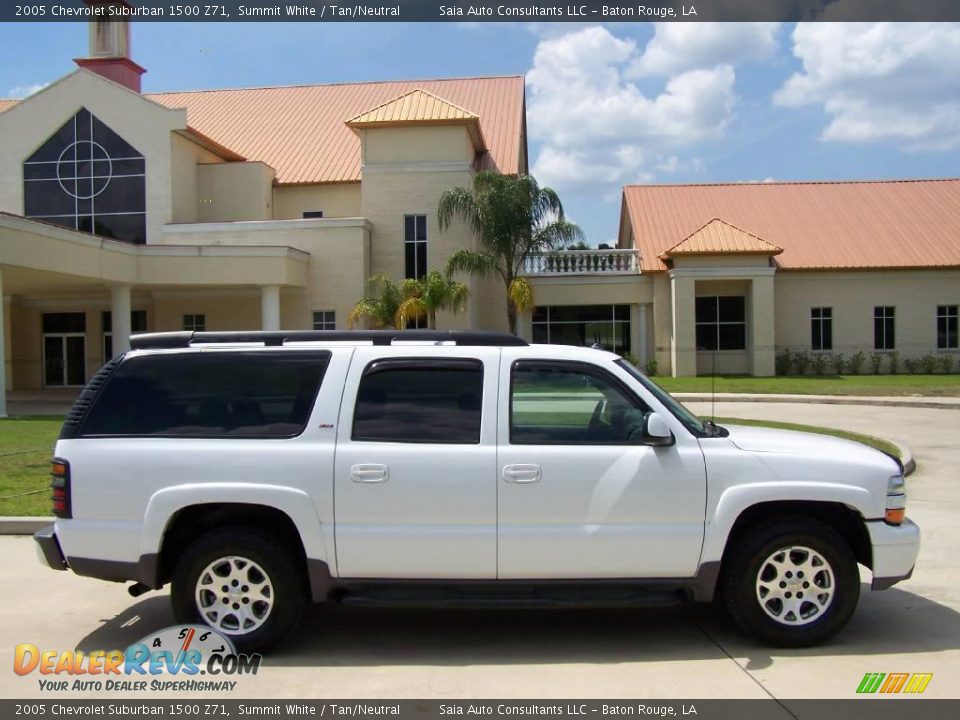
(895,550)
(48,548)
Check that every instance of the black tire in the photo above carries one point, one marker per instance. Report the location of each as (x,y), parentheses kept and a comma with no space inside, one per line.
(809,625)
(278,562)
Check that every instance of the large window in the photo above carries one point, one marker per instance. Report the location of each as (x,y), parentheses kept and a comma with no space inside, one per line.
(821,328)
(883,328)
(202,395)
(947,327)
(605,325)
(415,246)
(721,323)
(420,401)
(88,178)
(553,403)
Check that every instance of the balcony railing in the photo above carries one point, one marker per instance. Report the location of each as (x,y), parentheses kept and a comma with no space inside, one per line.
(583,262)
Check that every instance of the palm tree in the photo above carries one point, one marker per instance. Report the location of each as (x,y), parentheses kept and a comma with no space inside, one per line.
(513,217)
(424,297)
(381,305)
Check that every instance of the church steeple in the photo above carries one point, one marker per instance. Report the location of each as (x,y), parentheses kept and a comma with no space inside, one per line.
(109,53)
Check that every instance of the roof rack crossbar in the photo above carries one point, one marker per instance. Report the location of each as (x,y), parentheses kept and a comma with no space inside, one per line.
(169,340)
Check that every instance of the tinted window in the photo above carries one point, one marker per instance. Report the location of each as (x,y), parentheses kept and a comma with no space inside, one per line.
(249,394)
(563,404)
(420,401)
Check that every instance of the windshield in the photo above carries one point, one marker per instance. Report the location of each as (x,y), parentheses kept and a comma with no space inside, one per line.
(691,421)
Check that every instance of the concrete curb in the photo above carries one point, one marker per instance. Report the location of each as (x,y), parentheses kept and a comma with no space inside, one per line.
(922,402)
(27,525)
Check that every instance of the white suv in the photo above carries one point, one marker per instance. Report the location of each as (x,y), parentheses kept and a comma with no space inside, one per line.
(257,471)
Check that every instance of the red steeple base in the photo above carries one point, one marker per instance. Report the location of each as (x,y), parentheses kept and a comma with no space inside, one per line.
(119,69)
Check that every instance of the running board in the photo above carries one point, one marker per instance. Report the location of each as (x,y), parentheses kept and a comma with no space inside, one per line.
(534,596)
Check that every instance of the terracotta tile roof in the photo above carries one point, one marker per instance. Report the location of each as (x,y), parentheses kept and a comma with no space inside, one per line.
(7,104)
(821,225)
(719,237)
(301,131)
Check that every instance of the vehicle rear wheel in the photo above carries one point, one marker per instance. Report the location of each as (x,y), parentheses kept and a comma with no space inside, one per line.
(241,582)
(792,582)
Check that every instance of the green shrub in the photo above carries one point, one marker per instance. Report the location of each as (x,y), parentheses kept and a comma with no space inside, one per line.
(856,362)
(801,361)
(894,362)
(782,361)
(650,367)
(632,359)
(911,365)
(945,363)
(818,363)
(929,363)
(876,362)
(839,363)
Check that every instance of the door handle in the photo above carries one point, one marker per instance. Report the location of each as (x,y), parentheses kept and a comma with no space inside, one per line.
(369,473)
(521,473)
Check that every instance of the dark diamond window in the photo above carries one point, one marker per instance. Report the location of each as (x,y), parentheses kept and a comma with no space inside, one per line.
(86,177)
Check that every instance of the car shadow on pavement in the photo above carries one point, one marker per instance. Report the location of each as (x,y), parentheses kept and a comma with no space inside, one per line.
(894,621)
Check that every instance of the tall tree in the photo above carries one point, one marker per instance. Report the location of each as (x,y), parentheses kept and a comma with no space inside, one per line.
(424,297)
(513,217)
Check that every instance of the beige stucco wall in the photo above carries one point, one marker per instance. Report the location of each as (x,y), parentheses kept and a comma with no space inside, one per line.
(338,267)
(450,143)
(334,200)
(915,294)
(185,157)
(229,192)
(144,124)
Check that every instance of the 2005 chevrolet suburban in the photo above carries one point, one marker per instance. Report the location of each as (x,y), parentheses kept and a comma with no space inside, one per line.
(255,472)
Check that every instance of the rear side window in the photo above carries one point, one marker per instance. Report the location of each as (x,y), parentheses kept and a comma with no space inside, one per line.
(420,401)
(209,395)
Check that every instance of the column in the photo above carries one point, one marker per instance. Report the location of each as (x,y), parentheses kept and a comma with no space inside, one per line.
(120,318)
(270,307)
(762,339)
(683,344)
(638,332)
(3,351)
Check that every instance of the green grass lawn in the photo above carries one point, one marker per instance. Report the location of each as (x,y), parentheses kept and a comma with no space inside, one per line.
(26,446)
(902,385)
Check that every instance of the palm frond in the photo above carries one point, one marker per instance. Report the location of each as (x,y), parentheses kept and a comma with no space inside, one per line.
(413,308)
(520,293)
(470,262)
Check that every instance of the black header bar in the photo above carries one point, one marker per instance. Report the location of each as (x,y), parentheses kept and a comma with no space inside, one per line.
(495,11)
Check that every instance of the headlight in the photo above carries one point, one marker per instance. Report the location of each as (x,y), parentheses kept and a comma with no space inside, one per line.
(896,500)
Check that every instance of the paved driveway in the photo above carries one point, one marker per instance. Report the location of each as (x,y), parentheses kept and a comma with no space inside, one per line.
(690,651)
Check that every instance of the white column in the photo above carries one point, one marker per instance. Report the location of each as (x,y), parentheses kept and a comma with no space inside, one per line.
(120,318)
(638,317)
(3,352)
(270,307)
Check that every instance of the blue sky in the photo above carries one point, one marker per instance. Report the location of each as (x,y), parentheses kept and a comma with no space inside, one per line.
(607,105)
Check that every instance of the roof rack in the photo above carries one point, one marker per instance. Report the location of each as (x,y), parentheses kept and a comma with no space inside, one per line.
(169,340)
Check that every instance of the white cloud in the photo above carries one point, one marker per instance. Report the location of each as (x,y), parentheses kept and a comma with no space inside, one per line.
(677,47)
(22,91)
(598,127)
(883,81)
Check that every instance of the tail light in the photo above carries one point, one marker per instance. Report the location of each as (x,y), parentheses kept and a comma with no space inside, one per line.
(60,486)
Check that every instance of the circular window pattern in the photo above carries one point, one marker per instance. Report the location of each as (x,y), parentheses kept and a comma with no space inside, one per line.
(84,169)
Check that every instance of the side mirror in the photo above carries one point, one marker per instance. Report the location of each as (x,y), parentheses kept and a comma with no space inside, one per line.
(656,433)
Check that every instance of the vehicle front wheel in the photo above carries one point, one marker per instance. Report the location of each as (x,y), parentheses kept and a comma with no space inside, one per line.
(242,583)
(792,582)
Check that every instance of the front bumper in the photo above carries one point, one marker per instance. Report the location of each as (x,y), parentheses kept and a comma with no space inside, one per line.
(895,550)
(48,548)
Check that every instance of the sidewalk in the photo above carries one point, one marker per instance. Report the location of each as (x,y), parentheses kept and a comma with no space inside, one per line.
(918,401)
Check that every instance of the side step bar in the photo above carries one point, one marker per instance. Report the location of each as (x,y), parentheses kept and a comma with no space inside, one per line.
(453,596)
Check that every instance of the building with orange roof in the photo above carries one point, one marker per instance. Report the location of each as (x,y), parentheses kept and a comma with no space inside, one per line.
(272,207)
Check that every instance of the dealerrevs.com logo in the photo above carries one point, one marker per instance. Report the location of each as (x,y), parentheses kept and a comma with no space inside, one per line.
(170,660)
